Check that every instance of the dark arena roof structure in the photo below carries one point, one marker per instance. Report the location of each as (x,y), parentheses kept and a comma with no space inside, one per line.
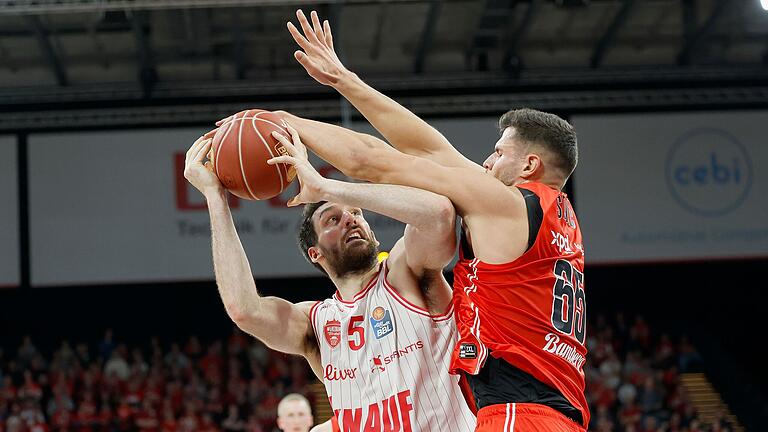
(443,57)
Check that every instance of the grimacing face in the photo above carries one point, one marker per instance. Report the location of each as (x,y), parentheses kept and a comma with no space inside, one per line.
(507,161)
(295,416)
(344,239)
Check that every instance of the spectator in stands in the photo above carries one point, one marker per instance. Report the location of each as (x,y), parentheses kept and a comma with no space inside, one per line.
(689,360)
(30,389)
(176,358)
(193,349)
(294,414)
(86,417)
(117,365)
(14,422)
(27,351)
(147,419)
(627,394)
(239,388)
(207,424)
(60,402)
(107,345)
(650,396)
(138,365)
(83,356)
(233,422)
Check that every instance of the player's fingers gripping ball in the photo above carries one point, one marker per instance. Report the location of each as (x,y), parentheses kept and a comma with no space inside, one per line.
(242,145)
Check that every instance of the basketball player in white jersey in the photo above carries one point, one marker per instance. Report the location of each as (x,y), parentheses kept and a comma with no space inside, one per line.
(381,344)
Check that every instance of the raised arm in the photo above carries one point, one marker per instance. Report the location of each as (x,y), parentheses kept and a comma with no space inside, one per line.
(402,128)
(281,325)
(333,143)
(429,242)
(486,205)
(366,157)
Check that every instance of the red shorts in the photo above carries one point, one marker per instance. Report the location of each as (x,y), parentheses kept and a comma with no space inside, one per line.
(523,417)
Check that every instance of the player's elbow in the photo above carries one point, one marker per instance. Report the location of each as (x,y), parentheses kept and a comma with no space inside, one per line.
(443,214)
(444,209)
(250,323)
(237,314)
(443,226)
(243,317)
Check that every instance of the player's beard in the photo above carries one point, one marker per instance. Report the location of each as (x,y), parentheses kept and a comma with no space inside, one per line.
(352,259)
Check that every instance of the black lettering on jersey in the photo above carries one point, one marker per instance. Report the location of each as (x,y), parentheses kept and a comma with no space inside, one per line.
(569,304)
(565,211)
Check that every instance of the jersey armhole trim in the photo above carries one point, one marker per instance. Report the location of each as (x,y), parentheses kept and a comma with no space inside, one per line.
(312,315)
(410,306)
(534,215)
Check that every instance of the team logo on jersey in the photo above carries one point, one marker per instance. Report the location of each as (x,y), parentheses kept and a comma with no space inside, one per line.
(467,351)
(381,322)
(377,364)
(332,330)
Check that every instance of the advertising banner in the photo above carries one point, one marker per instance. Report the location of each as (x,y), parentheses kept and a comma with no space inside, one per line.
(9,214)
(672,186)
(114,207)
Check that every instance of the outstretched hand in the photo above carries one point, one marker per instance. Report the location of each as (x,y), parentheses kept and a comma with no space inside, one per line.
(313,185)
(318,56)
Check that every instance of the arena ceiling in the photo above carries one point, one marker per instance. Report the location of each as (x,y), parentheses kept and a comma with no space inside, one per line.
(64,51)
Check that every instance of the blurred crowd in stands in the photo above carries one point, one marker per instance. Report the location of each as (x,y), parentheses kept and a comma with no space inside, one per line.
(633,379)
(225,385)
(632,373)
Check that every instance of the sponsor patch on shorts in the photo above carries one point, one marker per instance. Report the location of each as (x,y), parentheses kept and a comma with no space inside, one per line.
(467,351)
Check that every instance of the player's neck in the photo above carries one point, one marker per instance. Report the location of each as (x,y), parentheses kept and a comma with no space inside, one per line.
(554,183)
(352,284)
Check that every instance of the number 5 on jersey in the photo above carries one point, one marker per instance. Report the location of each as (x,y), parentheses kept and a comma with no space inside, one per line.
(356,332)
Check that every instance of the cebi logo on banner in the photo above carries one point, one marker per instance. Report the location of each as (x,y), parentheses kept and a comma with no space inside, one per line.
(709,172)
(655,187)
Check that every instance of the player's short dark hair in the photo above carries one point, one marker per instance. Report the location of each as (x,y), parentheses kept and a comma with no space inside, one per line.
(307,234)
(547,130)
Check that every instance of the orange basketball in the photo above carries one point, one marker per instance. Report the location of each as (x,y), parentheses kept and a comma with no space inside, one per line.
(241,147)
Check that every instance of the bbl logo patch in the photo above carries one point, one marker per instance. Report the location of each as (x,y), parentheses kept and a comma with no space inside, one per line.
(467,351)
(381,322)
(332,330)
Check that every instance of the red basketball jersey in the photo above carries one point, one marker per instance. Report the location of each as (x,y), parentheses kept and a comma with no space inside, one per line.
(530,312)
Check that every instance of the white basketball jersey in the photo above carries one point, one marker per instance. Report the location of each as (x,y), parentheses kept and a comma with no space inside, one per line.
(385,363)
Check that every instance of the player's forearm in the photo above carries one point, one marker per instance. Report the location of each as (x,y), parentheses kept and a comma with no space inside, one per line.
(402,128)
(335,144)
(419,208)
(233,272)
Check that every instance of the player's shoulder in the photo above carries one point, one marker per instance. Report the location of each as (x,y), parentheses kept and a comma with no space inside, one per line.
(329,302)
(316,307)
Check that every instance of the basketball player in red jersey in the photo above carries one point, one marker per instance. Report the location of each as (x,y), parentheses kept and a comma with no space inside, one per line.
(398,312)
(518,285)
